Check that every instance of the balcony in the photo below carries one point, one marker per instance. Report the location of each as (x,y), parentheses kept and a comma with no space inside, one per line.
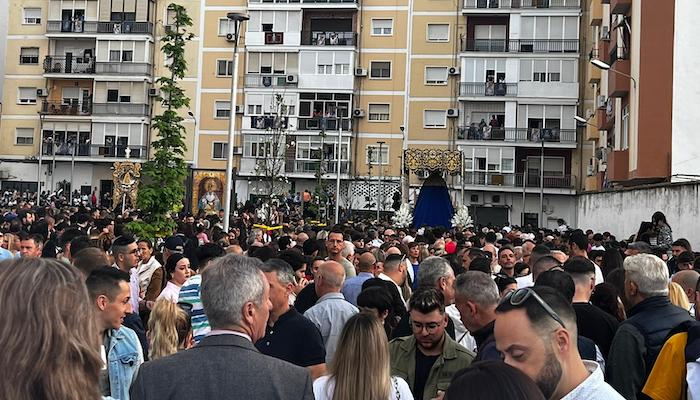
(520,45)
(123,68)
(323,124)
(69,26)
(620,6)
(63,148)
(74,108)
(127,109)
(592,130)
(618,166)
(549,3)
(506,4)
(320,2)
(479,178)
(319,38)
(267,80)
(488,89)
(593,72)
(517,135)
(69,65)
(595,13)
(312,166)
(268,122)
(125,27)
(605,122)
(618,83)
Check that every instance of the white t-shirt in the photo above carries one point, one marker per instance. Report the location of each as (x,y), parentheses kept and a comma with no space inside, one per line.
(324,387)
(171,292)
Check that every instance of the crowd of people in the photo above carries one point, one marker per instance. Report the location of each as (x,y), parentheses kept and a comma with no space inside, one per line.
(359,310)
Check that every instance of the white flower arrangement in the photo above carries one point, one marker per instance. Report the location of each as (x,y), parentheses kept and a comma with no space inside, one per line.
(403,217)
(462,218)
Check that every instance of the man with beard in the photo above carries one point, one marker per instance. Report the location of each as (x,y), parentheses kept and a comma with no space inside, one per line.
(429,358)
(536,332)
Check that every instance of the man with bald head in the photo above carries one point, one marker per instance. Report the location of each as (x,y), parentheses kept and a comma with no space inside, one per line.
(688,280)
(353,286)
(331,311)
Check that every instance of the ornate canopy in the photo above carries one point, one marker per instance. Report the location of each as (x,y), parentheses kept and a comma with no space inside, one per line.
(433,160)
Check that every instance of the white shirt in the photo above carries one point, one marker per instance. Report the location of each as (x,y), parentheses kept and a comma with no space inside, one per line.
(386,278)
(525,281)
(325,386)
(594,387)
(462,335)
(146,272)
(171,292)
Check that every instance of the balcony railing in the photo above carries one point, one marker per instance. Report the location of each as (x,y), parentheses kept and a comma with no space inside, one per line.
(123,68)
(488,89)
(311,166)
(267,80)
(71,26)
(484,4)
(74,107)
(618,53)
(307,1)
(93,150)
(522,135)
(125,27)
(532,180)
(323,124)
(268,122)
(120,109)
(521,45)
(321,38)
(66,65)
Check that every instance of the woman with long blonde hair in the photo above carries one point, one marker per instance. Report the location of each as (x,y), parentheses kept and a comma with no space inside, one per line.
(677,296)
(360,368)
(48,333)
(169,329)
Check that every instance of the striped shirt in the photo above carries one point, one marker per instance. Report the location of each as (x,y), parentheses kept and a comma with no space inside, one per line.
(190,293)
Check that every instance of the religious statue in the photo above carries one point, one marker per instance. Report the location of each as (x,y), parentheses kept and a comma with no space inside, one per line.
(210,202)
(126,177)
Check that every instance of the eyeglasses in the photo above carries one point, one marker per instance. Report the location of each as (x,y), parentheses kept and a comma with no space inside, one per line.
(520,296)
(431,327)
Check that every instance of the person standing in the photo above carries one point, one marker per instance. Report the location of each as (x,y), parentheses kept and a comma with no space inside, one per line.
(476,298)
(335,244)
(353,286)
(148,265)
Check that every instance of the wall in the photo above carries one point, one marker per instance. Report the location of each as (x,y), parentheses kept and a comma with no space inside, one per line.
(4,6)
(686,88)
(621,212)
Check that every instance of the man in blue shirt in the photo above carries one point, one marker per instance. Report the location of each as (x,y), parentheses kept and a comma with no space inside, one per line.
(353,286)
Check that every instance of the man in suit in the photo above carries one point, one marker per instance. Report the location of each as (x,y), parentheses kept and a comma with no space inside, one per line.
(235,294)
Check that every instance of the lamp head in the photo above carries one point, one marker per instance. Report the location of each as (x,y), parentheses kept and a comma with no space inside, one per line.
(580,119)
(600,64)
(238,17)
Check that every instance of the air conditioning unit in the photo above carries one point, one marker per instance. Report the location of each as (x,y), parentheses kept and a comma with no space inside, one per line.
(292,78)
(237,150)
(452,112)
(423,174)
(358,113)
(600,102)
(496,198)
(230,37)
(360,72)
(42,93)
(239,110)
(153,92)
(474,199)
(605,33)
(453,71)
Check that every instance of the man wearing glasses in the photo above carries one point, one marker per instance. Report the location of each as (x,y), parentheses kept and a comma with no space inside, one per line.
(536,332)
(429,358)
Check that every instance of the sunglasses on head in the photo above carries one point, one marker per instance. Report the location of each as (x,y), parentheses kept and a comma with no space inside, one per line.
(519,297)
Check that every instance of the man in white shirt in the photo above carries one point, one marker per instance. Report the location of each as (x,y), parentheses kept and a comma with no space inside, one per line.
(395,272)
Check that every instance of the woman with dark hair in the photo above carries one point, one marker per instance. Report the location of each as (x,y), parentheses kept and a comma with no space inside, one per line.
(50,340)
(177,270)
(664,236)
(492,380)
(616,278)
(612,260)
(606,297)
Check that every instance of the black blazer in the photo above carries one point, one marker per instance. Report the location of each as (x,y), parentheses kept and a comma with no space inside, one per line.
(221,367)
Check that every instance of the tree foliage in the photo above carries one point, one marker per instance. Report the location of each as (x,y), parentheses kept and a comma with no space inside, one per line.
(163,190)
(270,169)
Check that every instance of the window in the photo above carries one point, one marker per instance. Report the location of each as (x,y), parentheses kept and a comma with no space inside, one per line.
(222,109)
(255,109)
(324,69)
(224,67)
(225,26)
(380,69)
(379,112)
(342,69)
(127,55)
(436,75)
(374,155)
(114,55)
(382,27)
(125,99)
(24,136)
(438,32)
(219,151)
(32,16)
(112,96)
(29,55)
(26,95)
(434,118)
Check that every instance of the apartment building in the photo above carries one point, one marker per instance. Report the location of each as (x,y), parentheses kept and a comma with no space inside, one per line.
(76,93)
(640,109)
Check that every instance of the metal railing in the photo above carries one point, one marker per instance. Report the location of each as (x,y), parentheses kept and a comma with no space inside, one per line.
(120,109)
(123,68)
(266,80)
(69,65)
(307,1)
(618,53)
(523,135)
(520,45)
(321,38)
(64,148)
(75,107)
(324,124)
(125,27)
(72,26)
(268,122)
(504,179)
(311,166)
(488,89)
(483,4)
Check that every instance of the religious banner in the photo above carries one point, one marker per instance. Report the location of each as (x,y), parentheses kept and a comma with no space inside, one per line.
(208,191)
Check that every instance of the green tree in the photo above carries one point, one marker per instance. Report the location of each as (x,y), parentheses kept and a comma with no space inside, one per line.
(163,190)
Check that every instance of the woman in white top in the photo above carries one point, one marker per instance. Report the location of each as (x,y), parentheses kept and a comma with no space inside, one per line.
(177,270)
(360,368)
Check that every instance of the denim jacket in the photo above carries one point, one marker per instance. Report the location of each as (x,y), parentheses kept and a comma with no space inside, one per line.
(123,358)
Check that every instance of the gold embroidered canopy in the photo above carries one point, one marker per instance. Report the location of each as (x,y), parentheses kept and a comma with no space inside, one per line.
(433,160)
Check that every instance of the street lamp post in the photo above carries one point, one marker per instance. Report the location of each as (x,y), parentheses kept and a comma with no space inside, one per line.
(337,170)
(41,151)
(237,19)
(606,67)
(380,178)
(541,182)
